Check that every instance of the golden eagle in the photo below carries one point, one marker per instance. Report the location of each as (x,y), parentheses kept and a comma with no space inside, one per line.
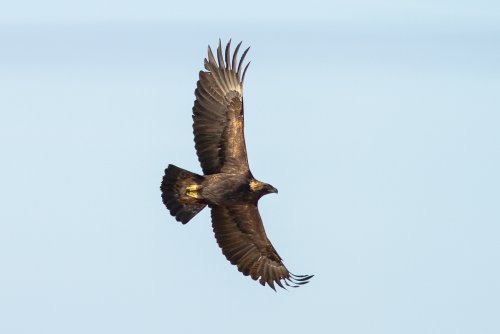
(227,186)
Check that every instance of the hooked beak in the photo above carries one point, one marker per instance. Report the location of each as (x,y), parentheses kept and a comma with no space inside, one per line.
(273,190)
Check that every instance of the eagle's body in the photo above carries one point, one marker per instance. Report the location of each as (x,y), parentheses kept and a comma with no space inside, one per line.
(232,189)
(227,186)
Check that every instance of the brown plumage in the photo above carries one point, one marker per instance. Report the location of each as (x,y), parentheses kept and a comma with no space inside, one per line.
(227,186)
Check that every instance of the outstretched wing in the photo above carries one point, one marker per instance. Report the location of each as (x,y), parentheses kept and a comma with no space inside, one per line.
(240,233)
(218,114)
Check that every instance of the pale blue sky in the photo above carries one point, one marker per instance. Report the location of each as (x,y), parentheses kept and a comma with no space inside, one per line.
(377,121)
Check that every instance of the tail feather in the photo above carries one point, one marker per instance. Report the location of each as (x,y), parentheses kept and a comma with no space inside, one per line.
(173,193)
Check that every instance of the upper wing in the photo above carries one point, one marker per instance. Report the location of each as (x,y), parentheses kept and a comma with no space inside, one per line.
(218,114)
(240,233)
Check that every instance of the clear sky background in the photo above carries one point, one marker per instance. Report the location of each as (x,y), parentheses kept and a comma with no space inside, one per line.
(378,121)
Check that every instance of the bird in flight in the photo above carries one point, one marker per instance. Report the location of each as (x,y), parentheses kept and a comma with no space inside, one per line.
(227,185)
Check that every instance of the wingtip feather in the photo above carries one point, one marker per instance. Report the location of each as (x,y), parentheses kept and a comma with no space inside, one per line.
(238,73)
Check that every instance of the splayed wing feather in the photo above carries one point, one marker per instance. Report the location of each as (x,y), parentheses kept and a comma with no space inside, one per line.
(238,73)
(228,54)
(235,55)
(245,72)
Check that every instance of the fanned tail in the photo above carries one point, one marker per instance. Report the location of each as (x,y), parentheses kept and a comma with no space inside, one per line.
(179,193)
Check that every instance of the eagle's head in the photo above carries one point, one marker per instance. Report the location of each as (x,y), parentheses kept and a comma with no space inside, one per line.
(261,187)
